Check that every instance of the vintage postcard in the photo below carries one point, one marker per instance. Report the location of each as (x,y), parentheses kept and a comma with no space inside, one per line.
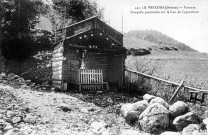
(103,67)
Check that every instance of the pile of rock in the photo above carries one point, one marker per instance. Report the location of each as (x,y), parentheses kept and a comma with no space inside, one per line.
(154,114)
(13,113)
(19,82)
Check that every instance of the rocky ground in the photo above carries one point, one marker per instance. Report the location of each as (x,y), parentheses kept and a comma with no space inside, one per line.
(30,109)
(26,111)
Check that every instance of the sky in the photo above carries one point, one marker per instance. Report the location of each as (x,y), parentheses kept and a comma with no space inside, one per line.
(191,29)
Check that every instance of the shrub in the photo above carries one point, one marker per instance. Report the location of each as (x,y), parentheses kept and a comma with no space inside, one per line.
(138,52)
(36,68)
(137,83)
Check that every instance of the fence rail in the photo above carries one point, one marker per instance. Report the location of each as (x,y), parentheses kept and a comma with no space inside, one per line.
(91,79)
(135,75)
(89,76)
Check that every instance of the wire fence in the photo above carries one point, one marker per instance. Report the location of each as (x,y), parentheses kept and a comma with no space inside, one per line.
(164,88)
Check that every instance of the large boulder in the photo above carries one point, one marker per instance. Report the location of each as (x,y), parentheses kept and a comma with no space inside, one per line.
(205,121)
(178,108)
(138,108)
(133,111)
(159,100)
(184,120)
(125,109)
(191,128)
(154,117)
(148,97)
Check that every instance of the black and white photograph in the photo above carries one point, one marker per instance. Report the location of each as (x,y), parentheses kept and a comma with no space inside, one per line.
(103,67)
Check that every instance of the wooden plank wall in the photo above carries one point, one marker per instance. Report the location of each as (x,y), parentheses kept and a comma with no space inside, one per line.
(71,65)
(97,61)
(115,68)
(111,65)
(80,27)
(57,62)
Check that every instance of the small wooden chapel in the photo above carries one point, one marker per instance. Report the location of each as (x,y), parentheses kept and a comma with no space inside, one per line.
(91,56)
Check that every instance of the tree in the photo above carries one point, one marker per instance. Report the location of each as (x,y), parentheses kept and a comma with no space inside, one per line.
(2,61)
(42,40)
(18,21)
(19,18)
(65,12)
(77,10)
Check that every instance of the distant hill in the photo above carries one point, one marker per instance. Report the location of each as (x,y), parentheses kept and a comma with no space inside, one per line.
(153,40)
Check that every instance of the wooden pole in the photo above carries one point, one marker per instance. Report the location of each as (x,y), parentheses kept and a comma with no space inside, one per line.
(177,90)
(122,21)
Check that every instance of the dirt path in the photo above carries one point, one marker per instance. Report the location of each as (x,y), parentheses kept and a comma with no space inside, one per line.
(61,114)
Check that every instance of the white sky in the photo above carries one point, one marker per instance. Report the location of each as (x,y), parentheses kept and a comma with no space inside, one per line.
(191,29)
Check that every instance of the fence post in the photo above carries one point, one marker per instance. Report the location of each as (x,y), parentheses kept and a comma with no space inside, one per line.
(177,90)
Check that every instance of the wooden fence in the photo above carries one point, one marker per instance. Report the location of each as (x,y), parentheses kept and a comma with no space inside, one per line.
(134,76)
(91,79)
(90,76)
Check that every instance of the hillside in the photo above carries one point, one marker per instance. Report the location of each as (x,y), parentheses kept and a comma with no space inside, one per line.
(154,40)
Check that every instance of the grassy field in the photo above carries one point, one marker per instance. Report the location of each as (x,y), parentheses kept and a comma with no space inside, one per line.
(174,66)
(192,67)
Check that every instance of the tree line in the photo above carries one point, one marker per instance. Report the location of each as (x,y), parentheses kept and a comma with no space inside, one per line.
(157,37)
